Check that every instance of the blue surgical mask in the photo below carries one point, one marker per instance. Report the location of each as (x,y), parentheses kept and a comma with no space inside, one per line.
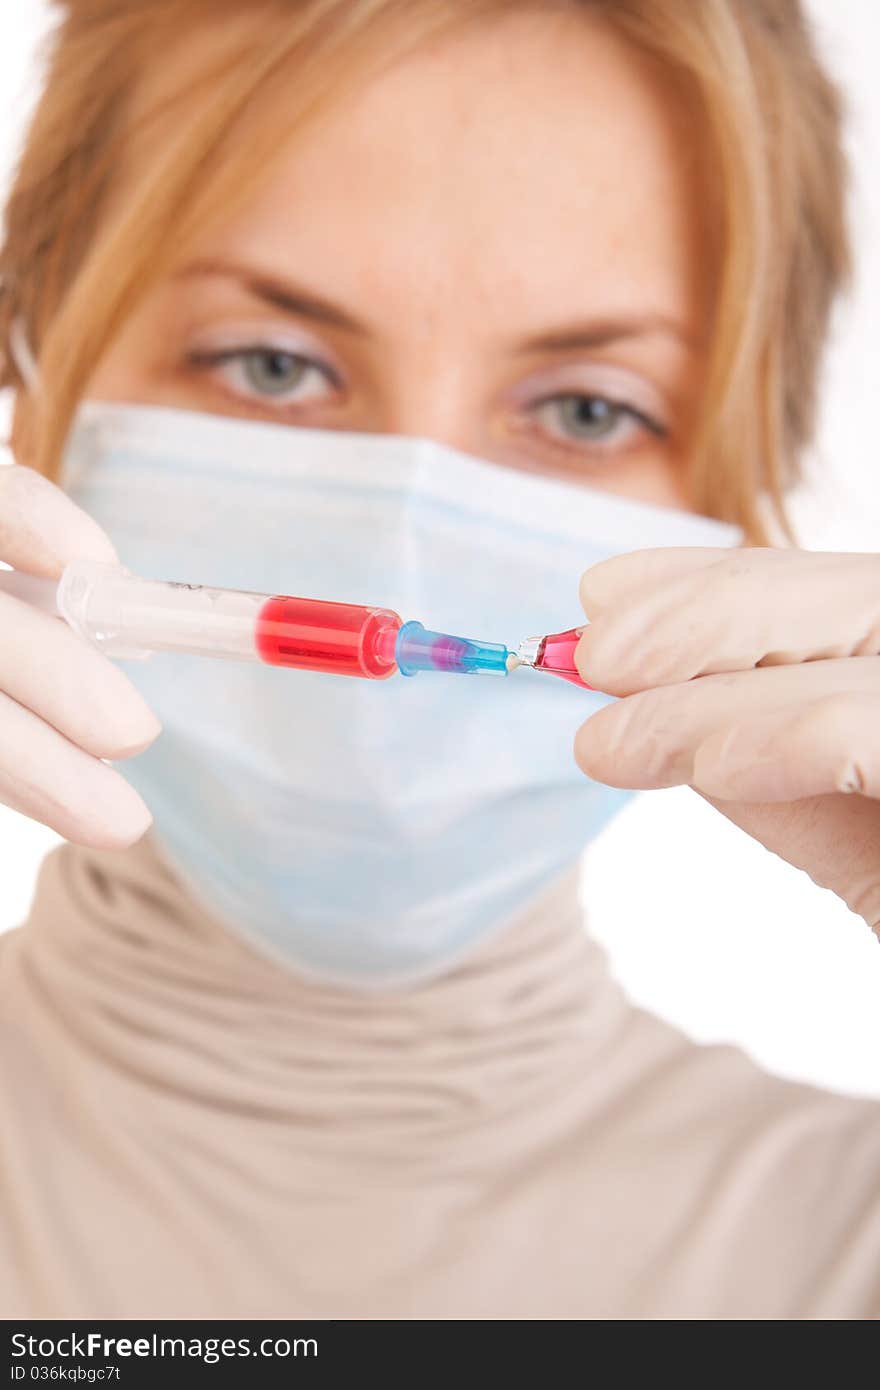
(364,833)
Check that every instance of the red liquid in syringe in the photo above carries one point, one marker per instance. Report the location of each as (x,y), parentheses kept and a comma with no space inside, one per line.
(344,639)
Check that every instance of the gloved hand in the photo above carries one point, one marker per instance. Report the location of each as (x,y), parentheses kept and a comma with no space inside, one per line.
(753,676)
(63,706)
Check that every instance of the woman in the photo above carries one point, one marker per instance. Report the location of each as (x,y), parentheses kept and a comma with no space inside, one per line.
(444,306)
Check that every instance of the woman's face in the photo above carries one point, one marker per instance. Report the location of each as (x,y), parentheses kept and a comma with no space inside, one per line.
(497,244)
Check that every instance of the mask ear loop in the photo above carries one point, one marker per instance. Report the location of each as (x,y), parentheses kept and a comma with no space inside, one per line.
(20,351)
(20,354)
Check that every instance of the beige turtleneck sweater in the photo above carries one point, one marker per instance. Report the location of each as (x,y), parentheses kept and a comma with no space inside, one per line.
(188,1130)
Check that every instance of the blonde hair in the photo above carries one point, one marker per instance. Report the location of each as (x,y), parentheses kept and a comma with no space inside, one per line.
(76,256)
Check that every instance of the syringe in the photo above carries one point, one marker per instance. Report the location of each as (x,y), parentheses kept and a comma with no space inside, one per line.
(127,616)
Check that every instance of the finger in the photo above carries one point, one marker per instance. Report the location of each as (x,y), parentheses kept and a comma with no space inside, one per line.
(47,668)
(621,576)
(650,739)
(753,607)
(830,745)
(44,776)
(42,529)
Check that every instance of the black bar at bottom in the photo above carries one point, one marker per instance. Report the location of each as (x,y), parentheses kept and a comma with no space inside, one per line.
(132,1353)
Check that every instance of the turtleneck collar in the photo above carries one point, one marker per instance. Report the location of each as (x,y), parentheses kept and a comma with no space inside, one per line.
(139,976)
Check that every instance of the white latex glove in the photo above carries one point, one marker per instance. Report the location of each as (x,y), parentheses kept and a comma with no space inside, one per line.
(63,706)
(753,676)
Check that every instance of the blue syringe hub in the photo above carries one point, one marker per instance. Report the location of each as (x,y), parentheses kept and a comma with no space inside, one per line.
(419,649)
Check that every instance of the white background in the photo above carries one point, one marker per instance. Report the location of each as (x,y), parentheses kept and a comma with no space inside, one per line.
(703,925)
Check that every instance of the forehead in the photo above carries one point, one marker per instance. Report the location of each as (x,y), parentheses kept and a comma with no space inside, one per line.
(520,159)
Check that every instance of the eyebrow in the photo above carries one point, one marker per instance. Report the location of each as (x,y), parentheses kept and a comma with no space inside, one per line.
(601,332)
(294,299)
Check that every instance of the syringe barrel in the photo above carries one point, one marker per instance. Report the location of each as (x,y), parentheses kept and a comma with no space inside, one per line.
(127,616)
(345,639)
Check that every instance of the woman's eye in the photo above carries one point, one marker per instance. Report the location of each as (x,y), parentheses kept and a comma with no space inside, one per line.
(267,372)
(583,419)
